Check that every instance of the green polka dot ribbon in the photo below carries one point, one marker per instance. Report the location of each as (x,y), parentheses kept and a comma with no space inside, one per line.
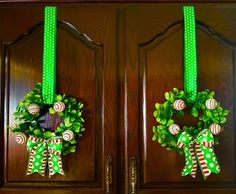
(190,57)
(49,54)
(44,153)
(199,150)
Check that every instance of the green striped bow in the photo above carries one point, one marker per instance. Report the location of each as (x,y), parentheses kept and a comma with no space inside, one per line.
(202,149)
(43,152)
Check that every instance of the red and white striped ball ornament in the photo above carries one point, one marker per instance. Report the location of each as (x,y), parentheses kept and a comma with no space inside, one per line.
(21,138)
(68,135)
(59,106)
(174,129)
(179,105)
(215,128)
(33,109)
(211,104)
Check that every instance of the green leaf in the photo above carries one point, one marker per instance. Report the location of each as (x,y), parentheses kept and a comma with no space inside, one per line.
(48,134)
(52,111)
(60,114)
(73,141)
(155,114)
(223,120)
(175,90)
(194,112)
(225,112)
(154,129)
(59,129)
(81,105)
(159,139)
(158,119)
(38,133)
(154,137)
(167,96)
(68,123)
(211,94)
(171,121)
(77,130)
(157,105)
(59,98)
(208,113)
(72,149)
(163,122)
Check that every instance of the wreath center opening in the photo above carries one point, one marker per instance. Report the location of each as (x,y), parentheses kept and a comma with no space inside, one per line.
(187,119)
(49,121)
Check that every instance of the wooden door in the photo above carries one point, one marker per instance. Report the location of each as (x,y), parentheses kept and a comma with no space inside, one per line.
(86,70)
(153,64)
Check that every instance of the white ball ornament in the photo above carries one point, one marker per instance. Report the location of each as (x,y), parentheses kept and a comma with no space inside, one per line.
(59,106)
(174,129)
(215,128)
(68,135)
(179,105)
(211,104)
(33,109)
(21,138)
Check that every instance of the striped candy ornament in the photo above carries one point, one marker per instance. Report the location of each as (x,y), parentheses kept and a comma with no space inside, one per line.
(211,104)
(21,138)
(68,135)
(59,106)
(215,128)
(33,109)
(179,105)
(174,129)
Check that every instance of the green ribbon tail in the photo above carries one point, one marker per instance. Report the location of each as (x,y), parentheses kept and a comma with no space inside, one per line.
(190,161)
(206,155)
(185,142)
(49,55)
(37,149)
(190,56)
(54,156)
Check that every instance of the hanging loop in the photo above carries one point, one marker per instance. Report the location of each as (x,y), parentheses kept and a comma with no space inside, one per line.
(49,54)
(190,57)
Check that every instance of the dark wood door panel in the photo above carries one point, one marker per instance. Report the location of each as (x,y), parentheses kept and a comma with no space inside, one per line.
(215,73)
(84,65)
(154,65)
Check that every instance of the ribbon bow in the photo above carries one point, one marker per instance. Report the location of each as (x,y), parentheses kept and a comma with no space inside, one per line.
(41,152)
(202,149)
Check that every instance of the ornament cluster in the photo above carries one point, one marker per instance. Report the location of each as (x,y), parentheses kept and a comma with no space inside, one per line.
(34,109)
(180,105)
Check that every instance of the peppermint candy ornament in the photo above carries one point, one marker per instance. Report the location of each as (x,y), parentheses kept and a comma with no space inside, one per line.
(68,135)
(174,129)
(33,109)
(59,106)
(179,105)
(211,104)
(215,128)
(21,138)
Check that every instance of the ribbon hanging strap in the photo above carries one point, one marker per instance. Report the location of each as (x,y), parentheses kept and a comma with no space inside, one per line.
(49,54)
(43,152)
(199,150)
(190,57)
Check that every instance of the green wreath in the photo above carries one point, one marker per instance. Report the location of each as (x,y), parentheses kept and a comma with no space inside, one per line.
(29,125)
(209,117)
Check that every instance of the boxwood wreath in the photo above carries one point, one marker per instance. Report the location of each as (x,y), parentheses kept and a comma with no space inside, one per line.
(29,124)
(196,142)
(199,108)
(45,145)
